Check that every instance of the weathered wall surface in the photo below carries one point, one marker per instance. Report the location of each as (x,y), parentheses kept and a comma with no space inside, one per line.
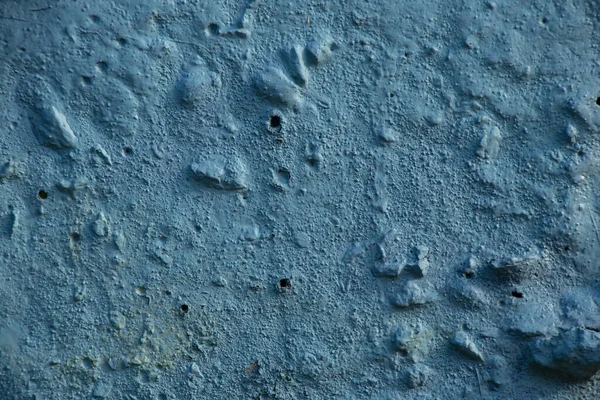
(299,200)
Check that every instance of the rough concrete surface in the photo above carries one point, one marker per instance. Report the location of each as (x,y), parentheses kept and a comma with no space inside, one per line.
(313,199)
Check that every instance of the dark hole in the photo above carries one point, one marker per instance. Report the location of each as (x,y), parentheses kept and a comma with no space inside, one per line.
(275,121)
(544,20)
(285,283)
(517,294)
(284,174)
(469,275)
(122,41)
(168,293)
(127,150)
(43,194)
(86,80)
(567,248)
(184,308)
(75,236)
(213,29)
(598,101)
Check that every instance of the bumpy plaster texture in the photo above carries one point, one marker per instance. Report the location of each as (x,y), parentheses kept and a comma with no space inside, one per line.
(313,199)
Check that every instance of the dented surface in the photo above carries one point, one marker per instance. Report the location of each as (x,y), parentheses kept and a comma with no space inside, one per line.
(301,200)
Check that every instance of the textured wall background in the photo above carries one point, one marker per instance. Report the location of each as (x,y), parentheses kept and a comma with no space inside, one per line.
(299,200)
